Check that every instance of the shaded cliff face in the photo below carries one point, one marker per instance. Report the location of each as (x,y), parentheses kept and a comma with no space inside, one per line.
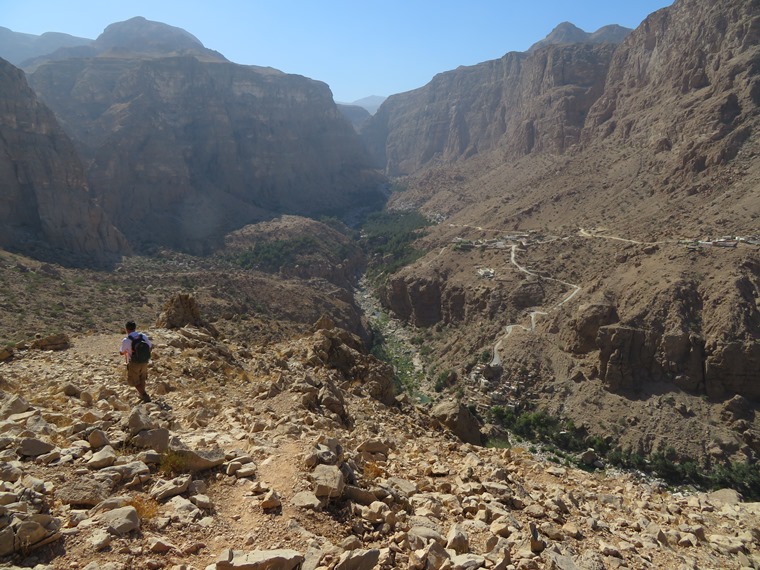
(180,146)
(521,102)
(181,151)
(45,199)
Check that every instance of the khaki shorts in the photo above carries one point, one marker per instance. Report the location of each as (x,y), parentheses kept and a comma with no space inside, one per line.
(137,374)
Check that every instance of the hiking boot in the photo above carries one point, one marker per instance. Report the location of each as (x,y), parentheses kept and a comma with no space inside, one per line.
(145,398)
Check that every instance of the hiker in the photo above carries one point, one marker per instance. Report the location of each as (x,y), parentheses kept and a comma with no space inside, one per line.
(136,348)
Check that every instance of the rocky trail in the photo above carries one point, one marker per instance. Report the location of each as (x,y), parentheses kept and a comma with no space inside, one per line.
(299,455)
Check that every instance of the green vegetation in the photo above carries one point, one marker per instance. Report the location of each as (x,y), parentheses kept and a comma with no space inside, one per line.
(558,436)
(406,376)
(541,427)
(338,226)
(742,477)
(173,463)
(498,443)
(272,255)
(388,238)
(442,382)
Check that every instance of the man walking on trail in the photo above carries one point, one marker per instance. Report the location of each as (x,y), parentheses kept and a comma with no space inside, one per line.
(136,348)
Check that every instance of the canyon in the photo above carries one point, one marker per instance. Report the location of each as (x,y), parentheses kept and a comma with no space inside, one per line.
(589,252)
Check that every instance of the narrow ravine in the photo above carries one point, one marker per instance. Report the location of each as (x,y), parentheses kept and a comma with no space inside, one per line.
(400,351)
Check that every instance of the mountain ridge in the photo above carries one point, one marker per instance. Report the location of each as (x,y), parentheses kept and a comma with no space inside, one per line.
(632,214)
(569,33)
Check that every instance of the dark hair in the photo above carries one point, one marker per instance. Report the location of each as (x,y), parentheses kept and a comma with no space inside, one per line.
(130,326)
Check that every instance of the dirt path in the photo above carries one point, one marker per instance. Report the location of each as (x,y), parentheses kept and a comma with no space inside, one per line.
(496,360)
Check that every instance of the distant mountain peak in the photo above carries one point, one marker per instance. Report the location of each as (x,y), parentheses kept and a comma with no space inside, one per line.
(141,35)
(371,103)
(569,33)
(137,37)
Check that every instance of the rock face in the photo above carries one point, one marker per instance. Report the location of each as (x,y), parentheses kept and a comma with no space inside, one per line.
(416,300)
(185,148)
(703,77)
(525,102)
(673,125)
(580,333)
(45,196)
(629,358)
(732,368)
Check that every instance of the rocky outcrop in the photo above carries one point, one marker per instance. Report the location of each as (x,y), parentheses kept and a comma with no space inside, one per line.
(46,203)
(415,300)
(425,301)
(257,461)
(578,335)
(345,353)
(731,368)
(456,417)
(183,149)
(521,102)
(629,358)
(298,247)
(182,310)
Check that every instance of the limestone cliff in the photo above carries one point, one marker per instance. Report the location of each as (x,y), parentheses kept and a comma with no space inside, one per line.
(685,86)
(521,102)
(635,297)
(45,198)
(183,148)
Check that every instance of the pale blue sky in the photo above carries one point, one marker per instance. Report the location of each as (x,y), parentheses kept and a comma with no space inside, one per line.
(358,47)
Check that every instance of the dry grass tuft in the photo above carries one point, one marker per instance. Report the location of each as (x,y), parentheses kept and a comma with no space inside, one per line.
(372,471)
(146,507)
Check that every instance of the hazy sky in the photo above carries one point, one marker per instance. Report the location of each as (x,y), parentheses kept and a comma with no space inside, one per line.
(358,47)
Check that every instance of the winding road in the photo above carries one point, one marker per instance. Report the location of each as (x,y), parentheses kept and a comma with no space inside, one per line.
(496,360)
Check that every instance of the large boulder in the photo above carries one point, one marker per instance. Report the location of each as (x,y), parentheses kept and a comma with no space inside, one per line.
(282,559)
(458,418)
(58,341)
(579,334)
(328,481)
